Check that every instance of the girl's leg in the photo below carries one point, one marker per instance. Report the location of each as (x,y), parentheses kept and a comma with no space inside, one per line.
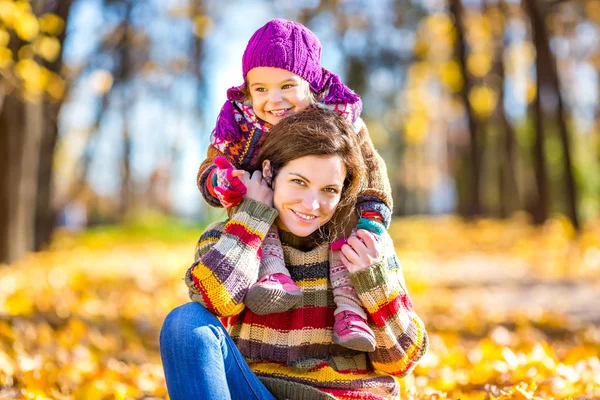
(275,291)
(202,362)
(350,328)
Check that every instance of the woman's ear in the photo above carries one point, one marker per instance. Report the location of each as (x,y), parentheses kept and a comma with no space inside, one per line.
(267,172)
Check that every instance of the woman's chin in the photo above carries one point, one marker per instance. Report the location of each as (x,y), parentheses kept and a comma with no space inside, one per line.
(301,230)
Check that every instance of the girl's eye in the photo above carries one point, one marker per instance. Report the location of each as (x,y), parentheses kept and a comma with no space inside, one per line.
(287,86)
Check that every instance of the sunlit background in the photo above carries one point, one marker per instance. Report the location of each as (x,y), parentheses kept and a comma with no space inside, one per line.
(450,92)
(485,111)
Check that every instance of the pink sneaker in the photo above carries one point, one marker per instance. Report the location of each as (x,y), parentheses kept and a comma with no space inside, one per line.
(352,331)
(273,294)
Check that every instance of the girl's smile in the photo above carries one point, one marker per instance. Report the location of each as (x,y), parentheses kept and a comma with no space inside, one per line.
(276,93)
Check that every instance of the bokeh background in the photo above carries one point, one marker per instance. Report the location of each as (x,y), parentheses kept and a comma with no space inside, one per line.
(485,111)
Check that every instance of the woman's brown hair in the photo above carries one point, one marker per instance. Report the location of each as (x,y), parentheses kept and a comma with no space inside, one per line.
(317,132)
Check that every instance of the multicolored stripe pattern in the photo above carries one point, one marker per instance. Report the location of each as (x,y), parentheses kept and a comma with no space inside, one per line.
(295,347)
(228,258)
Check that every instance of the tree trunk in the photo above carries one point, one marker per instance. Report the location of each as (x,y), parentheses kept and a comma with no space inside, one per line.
(27,138)
(21,130)
(539,206)
(510,198)
(474,165)
(124,75)
(45,212)
(550,77)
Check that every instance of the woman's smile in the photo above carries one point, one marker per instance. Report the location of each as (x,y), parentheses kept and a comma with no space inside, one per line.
(303,216)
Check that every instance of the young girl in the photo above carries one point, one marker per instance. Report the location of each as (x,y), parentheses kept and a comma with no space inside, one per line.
(283,75)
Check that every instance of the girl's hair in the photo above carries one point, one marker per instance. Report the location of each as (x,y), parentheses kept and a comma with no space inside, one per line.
(318,132)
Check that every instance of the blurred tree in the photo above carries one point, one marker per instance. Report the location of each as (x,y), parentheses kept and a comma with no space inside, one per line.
(31,90)
(138,63)
(508,188)
(469,192)
(548,84)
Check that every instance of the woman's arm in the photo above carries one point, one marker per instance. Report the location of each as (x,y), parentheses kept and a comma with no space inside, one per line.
(399,332)
(228,258)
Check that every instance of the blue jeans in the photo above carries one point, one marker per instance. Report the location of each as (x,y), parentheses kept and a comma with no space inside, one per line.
(202,362)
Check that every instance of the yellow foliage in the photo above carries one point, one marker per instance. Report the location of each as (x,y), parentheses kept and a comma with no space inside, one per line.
(478,30)
(483,99)
(203,24)
(415,129)
(25,25)
(451,75)
(479,64)
(6,58)
(25,51)
(531,91)
(51,24)
(47,47)
(34,80)
(7,10)
(440,25)
(57,87)
(81,320)
(418,72)
(4,37)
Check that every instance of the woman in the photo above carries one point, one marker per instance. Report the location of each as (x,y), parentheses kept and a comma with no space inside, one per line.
(290,216)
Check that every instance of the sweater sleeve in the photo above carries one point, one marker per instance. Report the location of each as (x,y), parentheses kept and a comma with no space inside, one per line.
(228,258)
(399,332)
(377,194)
(204,177)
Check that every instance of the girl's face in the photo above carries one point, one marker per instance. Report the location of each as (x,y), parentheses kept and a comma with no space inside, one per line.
(276,92)
(307,192)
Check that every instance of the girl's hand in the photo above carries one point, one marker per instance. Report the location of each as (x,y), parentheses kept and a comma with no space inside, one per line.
(257,188)
(361,251)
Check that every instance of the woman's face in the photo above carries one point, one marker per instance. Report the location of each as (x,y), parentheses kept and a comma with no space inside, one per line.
(307,191)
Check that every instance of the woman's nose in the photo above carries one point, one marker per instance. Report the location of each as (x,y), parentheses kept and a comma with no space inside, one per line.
(311,202)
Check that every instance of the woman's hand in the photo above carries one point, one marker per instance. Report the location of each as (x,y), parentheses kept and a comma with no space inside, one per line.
(257,188)
(361,251)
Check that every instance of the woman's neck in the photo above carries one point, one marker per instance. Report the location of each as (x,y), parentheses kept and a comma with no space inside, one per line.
(305,243)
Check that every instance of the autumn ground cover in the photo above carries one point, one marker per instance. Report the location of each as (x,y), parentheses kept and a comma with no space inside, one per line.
(512,311)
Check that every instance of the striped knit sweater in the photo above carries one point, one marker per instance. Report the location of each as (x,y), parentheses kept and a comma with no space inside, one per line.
(292,352)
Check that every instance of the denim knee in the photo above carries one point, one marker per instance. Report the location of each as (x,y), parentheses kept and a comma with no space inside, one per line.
(190,322)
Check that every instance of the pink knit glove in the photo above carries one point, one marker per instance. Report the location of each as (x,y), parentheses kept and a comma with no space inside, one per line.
(229,189)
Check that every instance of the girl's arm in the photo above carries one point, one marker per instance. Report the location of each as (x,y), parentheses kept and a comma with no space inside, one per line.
(399,332)
(204,178)
(228,258)
(376,198)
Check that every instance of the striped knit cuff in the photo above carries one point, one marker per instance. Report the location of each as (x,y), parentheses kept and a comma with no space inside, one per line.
(372,203)
(203,183)
(258,211)
(371,278)
(272,261)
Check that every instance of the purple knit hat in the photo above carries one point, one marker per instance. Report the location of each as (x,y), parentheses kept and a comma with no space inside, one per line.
(291,46)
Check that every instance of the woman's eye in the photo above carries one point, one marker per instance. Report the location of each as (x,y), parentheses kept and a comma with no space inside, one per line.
(331,190)
(260,89)
(298,181)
